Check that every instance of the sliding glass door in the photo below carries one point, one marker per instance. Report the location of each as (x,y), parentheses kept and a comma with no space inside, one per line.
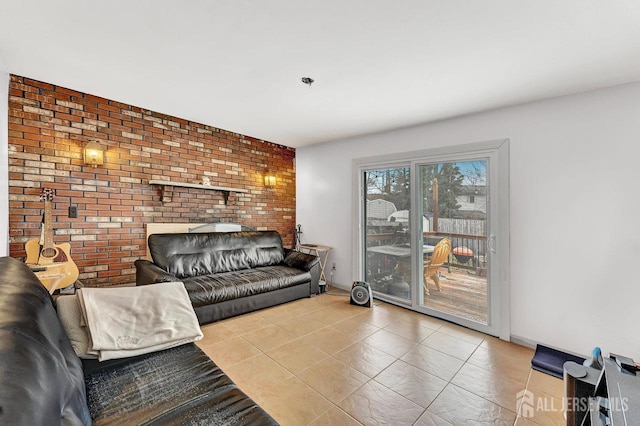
(453,195)
(433,232)
(387,231)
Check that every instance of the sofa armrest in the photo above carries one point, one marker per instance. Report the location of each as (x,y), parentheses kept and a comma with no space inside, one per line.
(297,259)
(149,273)
(305,262)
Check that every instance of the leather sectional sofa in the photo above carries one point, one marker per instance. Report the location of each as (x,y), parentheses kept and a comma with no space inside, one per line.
(230,273)
(43,382)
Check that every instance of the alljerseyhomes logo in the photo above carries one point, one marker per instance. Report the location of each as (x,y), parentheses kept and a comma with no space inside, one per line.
(528,405)
(525,403)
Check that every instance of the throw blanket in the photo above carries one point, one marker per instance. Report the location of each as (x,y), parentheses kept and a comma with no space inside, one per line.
(130,321)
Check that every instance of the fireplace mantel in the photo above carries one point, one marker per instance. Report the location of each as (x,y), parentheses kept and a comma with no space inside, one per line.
(167,188)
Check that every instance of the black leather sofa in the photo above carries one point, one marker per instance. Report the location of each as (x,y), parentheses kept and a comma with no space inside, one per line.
(230,273)
(43,382)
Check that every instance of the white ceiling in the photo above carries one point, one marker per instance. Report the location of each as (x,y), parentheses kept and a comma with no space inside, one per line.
(377,64)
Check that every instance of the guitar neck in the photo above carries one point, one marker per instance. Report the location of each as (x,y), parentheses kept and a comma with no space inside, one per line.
(47,229)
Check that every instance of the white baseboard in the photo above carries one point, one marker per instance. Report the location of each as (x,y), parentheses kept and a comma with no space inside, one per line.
(341,286)
(522,341)
(532,344)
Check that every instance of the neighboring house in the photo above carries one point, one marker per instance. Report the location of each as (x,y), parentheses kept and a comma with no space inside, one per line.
(380,209)
(377,213)
(472,199)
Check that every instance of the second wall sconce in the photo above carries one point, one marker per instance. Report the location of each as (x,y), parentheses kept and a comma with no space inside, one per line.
(93,154)
(269,179)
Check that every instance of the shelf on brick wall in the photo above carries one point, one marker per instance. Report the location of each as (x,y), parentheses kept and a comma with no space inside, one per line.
(167,188)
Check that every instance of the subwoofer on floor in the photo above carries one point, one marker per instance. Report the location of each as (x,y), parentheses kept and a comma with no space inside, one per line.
(361,294)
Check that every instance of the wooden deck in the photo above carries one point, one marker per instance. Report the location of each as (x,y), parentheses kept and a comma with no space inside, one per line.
(463,286)
(462,293)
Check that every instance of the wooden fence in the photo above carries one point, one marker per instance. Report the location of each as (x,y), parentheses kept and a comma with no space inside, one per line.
(462,226)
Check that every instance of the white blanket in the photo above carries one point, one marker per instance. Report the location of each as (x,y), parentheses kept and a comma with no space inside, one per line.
(129,321)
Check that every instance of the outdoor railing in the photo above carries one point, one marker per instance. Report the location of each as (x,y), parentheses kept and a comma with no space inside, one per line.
(460,257)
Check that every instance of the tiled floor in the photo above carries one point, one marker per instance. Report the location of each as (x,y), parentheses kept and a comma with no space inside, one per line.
(322,361)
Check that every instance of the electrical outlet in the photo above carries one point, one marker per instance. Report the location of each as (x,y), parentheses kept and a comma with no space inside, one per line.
(73,211)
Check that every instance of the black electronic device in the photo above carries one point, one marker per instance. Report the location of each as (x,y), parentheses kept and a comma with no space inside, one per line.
(361,294)
(626,364)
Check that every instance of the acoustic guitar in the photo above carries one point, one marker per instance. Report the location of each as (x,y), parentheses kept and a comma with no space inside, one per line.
(51,262)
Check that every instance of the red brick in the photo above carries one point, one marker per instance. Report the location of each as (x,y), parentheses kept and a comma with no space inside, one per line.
(126,177)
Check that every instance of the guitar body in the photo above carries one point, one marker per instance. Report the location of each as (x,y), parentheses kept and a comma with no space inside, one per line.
(52,263)
(61,271)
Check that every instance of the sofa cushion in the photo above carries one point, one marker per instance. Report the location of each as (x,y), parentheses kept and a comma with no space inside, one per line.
(175,386)
(70,316)
(189,255)
(42,380)
(215,288)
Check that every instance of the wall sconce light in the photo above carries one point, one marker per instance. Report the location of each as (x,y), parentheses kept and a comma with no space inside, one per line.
(269,179)
(93,154)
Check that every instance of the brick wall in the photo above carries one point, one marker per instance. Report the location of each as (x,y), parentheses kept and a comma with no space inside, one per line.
(48,128)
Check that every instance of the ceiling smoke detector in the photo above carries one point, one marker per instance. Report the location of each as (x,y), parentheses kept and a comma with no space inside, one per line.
(307,80)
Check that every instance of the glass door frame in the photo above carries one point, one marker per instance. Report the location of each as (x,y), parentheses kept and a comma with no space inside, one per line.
(497,155)
(388,165)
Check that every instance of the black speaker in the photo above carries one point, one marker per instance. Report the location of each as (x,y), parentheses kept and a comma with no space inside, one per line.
(361,294)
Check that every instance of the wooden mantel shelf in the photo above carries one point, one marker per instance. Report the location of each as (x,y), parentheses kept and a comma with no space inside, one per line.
(167,188)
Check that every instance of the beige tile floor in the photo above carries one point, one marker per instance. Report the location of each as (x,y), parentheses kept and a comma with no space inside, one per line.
(322,361)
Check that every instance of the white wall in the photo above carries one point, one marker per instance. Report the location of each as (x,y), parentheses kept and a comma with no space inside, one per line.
(575,232)
(4,159)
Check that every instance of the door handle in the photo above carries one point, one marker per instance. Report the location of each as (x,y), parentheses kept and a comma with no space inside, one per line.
(491,243)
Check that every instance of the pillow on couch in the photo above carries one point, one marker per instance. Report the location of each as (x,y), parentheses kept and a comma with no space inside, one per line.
(70,316)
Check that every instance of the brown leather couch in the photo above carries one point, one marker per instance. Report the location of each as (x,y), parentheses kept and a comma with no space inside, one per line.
(230,273)
(43,382)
